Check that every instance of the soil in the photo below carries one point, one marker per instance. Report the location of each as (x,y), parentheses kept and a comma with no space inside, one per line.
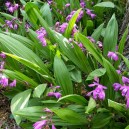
(6,121)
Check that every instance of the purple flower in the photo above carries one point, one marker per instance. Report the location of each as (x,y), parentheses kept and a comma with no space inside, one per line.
(98,92)
(7,4)
(56,94)
(4,82)
(47,110)
(68,17)
(88,11)
(40,124)
(116,86)
(9,24)
(92,15)
(127,103)
(67,5)
(11,9)
(125,80)
(82,4)
(2,63)
(57,87)
(16,6)
(13,84)
(63,27)
(112,55)
(118,71)
(2,55)
(91,39)
(41,35)
(53,126)
(15,27)
(80,16)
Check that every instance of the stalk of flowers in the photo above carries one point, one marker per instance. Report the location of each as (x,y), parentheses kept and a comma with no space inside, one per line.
(81,14)
(90,13)
(45,123)
(99,92)
(4,81)
(11,7)
(82,3)
(124,88)
(11,24)
(41,36)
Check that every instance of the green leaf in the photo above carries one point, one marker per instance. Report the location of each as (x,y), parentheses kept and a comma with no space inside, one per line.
(32,16)
(107,4)
(122,42)
(117,106)
(100,120)
(31,65)
(91,105)
(96,73)
(46,13)
(31,113)
(74,98)
(39,90)
(18,102)
(111,36)
(70,116)
(97,33)
(125,59)
(127,127)
(62,76)
(76,75)
(20,77)
(71,24)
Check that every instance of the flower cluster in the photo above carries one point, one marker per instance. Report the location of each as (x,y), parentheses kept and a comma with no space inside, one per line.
(4,82)
(82,3)
(11,7)
(56,94)
(113,56)
(98,92)
(44,123)
(124,89)
(11,24)
(90,13)
(72,13)
(41,35)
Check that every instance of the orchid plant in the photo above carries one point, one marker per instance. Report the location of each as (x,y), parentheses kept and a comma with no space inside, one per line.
(60,69)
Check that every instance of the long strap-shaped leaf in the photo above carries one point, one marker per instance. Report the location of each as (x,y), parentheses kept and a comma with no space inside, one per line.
(31,65)
(15,47)
(71,23)
(62,76)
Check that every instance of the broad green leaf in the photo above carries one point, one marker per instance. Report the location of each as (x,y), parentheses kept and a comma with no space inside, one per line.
(31,65)
(76,75)
(74,98)
(46,13)
(91,105)
(71,24)
(62,76)
(18,102)
(96,73)
(31,113)
(100,120)
(111,36)
(70,116)
(97,32)
(107,4)
(117,106)
(7,16)
(39,90)
(19,77)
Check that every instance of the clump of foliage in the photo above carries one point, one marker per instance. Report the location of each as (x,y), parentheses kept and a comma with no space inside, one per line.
(61,65)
